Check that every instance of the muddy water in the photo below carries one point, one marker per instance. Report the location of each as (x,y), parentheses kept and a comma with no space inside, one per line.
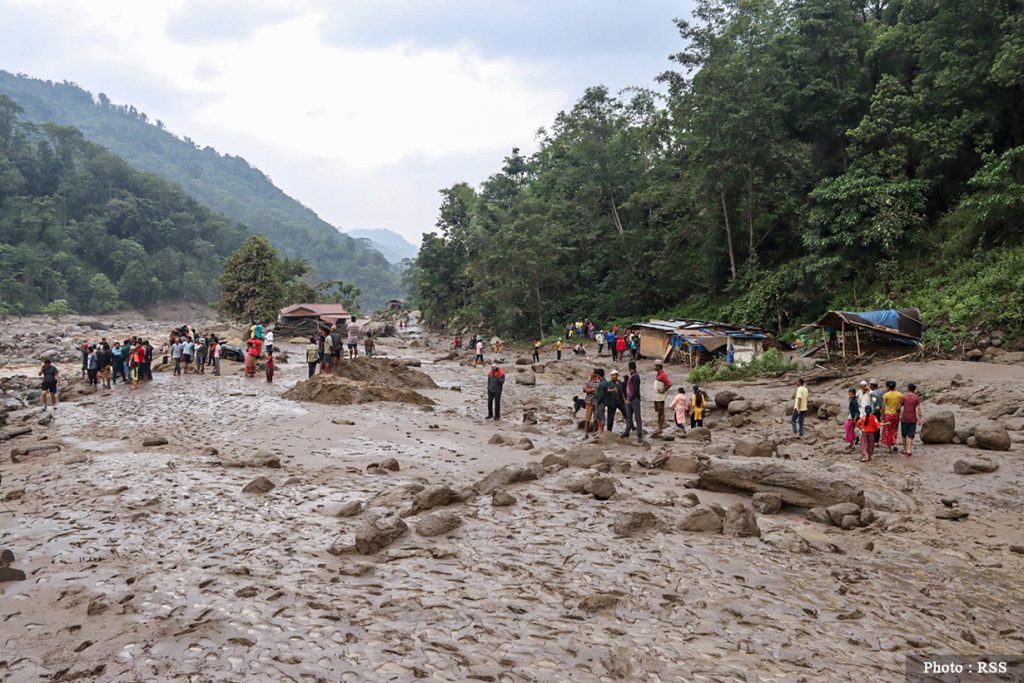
(150,564)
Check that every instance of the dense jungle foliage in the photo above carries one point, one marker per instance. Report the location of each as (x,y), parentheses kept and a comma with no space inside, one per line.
(221,182)
(802,155)
(81,230)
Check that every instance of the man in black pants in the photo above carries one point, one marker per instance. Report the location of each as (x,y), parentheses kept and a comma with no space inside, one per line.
(633,403)
(495,383)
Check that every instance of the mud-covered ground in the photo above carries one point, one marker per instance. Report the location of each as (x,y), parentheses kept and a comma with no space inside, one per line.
(150,563)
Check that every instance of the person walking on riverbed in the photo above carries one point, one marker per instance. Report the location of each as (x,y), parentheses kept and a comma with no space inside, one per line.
(352,338)
(558,349)
(799,408)
(890,415)
(910,417)
(495,383)
(479,348)
(661,386)
(868,426)
(50,375)
(850,426)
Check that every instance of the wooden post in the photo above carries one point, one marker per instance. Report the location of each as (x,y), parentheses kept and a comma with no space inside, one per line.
(844,339)
(856,336)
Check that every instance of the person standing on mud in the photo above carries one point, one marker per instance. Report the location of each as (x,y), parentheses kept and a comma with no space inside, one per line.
(850,425)
(620,347)
(614,399)
(890,415)
(602,400)
(680,407)
(353,338)
(215,354)
(337,342)
(633,404)
(876,406)
(661,386)
(50,375)
(118,370)
(799,408)
(368,345)
(868,426)
(268,341)
(536,350)
(201,352)
(589,402)
(910,417)
(479,348)
(495,383)
(312,356)
(325,347)
(186,354)
(270,367)
(698,404)
(558,349)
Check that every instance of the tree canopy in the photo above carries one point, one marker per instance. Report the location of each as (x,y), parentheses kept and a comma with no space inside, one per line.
(801,155)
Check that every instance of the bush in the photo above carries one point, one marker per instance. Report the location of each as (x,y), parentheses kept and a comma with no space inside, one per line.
(58,307)
(771,363)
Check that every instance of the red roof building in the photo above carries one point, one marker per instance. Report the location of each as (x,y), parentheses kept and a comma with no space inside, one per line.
(329,313)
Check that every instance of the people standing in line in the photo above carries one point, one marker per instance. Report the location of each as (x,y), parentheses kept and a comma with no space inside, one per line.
(680,406)
(853,414)
(589,403)
(890,415)
(312,355)
(536,350)
(868,426)
(479,348)
(662,384)
(633,404)
(876,406)
(698,404)
(495,384)
(558,349)
(615,400)
(353,338)
(910,417)
(799,408)
(50,375)
(270,367)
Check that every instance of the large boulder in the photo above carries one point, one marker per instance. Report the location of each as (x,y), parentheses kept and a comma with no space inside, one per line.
(939,428)
(528,379)
(586,456)
(838,511)
(600,487)
(738,406)
(974,466)
(632,521)
(724,398)
(509,474)
(431,497)
(749,449)
(702,518)
(740,521)
(804,484)
(437,523)
(377,533)
(992,436)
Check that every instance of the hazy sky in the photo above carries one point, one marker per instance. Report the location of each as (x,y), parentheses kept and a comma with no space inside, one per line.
(362,110)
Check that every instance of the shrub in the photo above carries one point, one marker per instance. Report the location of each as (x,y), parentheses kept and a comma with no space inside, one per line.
(58,307)
(771,363)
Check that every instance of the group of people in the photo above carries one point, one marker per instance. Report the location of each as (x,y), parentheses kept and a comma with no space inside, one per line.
(104,362)
(874,415)
(329,347)
(194,352)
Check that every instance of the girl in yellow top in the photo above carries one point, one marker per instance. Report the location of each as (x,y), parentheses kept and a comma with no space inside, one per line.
(890,415)
(697,408)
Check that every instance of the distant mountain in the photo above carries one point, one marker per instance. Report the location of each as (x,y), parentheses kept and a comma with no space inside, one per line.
(221,182)
(388,242)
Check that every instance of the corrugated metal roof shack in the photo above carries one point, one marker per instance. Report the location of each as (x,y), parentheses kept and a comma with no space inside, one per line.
(854,333)
(700,341)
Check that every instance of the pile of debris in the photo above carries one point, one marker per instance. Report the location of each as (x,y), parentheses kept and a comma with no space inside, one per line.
(366,380)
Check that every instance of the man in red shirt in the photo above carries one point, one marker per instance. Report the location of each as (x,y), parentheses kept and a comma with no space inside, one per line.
(910,417)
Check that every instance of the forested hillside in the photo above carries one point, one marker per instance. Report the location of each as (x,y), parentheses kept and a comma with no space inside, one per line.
(804,155)
(82,230)
(221,182)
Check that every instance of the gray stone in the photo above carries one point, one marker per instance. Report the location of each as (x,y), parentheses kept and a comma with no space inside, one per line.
(154,441)
(740,521)
(974,466)
(686,464)
(632,521)
(819,514)
(867,517)
(766,503)
(839,510)
(699,434)
(586,456)
(528,379)
(598,602)
(258,485)
(602,488)
(689,500)
(11,574)
(724,398)
(391,465)
(525,444)
(496,440)
(939,428)
(992,436)
(379,532)
(702,518)
(350,509)
(749,449)
(850,522)
(509,474)
(551,459)
(954,514)
(6,557)
(431,497)
(502,498)
(738,406)
(437,523)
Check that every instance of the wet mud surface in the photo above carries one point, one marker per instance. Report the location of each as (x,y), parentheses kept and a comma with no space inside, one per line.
(150,563)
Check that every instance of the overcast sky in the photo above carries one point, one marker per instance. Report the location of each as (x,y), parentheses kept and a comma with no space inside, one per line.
(362,110)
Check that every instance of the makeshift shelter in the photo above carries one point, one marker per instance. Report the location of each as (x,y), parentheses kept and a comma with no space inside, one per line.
(699,341)
(307,319)
(853,333)
(395,304)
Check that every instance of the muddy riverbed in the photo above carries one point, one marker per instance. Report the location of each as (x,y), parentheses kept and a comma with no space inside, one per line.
(151,563)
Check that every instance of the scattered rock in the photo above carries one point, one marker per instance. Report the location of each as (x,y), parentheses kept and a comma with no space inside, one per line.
(699,434)
(956,513)
(748,449)
(377,533)
(738,406)
(209,450)
(602,488)
(11,574)
(509,474)
(528,379)
(496,440)
(6,557)
(840,510)
(258,485)
(632,521)
(551,459)
(740,521)
(992,436)
(587,456)
(785,538)
(247,592)
(850,522)
(391,465)
(350,509)
(76,460)
(437,523)
(689,500)
(598,602)
(151,441)
(431,497)
(766,503)
(686,464)
(867,517)
(819,514)
(949,501)
(96,607)
(702,518)
(525,444)
(724,398)
(939,428)
(502,498)
(974,466)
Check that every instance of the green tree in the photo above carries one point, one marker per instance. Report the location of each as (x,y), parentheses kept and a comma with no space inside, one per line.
(252,287)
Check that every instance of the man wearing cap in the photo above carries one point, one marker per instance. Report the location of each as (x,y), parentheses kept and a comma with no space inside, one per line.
(495,383)
(876,405)
(615,399)
(661,386)
(864,403)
